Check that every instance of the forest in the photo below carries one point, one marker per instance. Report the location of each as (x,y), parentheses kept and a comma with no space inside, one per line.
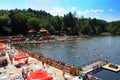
(17,21)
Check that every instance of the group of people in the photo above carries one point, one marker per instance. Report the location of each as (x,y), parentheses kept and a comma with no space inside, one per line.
(58,64)
(3,59)
(52,62)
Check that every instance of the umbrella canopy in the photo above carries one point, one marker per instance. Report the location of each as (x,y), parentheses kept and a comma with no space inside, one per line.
(20,56)
(39,75)
(1,46)
(42,30)
(32,31)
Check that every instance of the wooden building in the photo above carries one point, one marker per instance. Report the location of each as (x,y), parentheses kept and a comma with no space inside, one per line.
(44,34)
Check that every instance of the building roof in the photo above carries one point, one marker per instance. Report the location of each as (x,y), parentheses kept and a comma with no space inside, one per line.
(32,31)
(43,30)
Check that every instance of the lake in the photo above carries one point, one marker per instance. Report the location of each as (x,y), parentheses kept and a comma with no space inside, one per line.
(80,51)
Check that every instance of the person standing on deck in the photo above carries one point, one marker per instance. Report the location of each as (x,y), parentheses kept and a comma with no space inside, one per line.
(64,75)
(73,70)
(43,63)
(23,74)
(26,62)
(11,59)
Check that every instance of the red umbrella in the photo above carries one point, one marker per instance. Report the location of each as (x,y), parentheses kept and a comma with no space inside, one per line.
(20,56)
(40,75)
(1,46)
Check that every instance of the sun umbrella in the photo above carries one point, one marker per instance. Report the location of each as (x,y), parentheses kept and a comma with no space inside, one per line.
(32,31)
(20,56)
(39,75)
(1,46)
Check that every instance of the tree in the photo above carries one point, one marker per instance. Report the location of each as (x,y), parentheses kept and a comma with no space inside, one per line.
(33,23)
(44,23)
(69,23)
(84,26)
(7,31)
(19,23)
(4,21)
(97,29)
(56,22)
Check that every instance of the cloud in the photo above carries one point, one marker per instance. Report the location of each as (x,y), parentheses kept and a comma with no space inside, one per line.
(90,11)
(112,18)
(73,8)
(110,10)
(97,11)
(83,12)
(57,11)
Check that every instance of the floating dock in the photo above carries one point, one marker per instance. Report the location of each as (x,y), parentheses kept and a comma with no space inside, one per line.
(111,68)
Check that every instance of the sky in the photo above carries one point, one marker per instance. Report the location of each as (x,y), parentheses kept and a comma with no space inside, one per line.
(101,9)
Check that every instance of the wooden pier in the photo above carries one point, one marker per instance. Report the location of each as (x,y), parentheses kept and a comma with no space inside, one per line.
(115,68)
(93,65)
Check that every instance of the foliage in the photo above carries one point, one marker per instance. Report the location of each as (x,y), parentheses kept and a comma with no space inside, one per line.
(114,27)
(20,21)
(33,22)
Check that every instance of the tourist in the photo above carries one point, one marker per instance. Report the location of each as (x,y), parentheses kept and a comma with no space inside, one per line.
(43,63)
(47,64)
(64,75)
(26,62)
(11,59)
(73,70)
(23,74)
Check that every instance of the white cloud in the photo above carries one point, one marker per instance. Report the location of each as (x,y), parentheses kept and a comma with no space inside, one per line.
(111,18)
(97,10)
(83,12)
(73,8)
(111,10)
(57,11)
(90,11)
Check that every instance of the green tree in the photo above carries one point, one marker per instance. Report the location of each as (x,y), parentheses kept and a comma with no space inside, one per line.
(44,23)
(113,27)
(69,23)
(97,29)
(4,21)
(33,23)
(19,23)
(57,24)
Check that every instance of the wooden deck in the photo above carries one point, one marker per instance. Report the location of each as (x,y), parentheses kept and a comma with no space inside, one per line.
(110,68)
(90,67)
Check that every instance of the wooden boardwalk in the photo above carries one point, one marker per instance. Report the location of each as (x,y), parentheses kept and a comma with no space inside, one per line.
(92,67)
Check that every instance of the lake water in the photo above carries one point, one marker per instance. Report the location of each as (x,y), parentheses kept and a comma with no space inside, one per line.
(81,51)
